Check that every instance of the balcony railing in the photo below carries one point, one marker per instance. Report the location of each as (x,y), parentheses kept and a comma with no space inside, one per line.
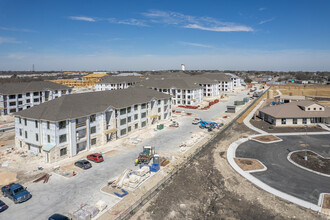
(81,124)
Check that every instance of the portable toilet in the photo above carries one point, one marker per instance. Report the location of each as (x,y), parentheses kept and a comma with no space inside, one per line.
(156,159)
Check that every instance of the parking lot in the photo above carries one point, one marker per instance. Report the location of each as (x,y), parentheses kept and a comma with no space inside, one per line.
(61,194)
(282,174)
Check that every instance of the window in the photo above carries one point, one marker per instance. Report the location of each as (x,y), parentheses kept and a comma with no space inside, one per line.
(26,136)
(62,124)
(20,132)
(36,124)
(143,106)
(314,109)
(129,119)
(20,120)
(294,121)
(143,124)
(35,100)
(48,138)
(12,103)
(92,118)
(12,96)
(129,110)
(136,116)
(135,107)
(143,115)
(159,110)
(62,138)
(19,96)
(123,111)
(309,108)
(304,120)
(320,109)
(48,125)
(93,130)
(159,101)
(122,132)
(63,152)
(129,129)
(37,137)
(93,141)
(20,102)
(28,94)
(283,121)
(25,122)
(123,121)
(136,126)
(35,93)
(28,101)
(20,144)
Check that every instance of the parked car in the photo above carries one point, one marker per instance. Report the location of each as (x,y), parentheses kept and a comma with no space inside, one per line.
(84,164)
(196,121)
(58,217)
(16,192)
(95,157)
(3,206)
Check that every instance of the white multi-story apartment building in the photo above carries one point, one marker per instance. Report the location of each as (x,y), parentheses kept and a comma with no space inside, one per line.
(182,91)
(225,82)
(236,80)
(210,86)
(15,97)
(70,124)
(116,82)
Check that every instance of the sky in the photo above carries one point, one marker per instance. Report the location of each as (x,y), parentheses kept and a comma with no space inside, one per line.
(95,35)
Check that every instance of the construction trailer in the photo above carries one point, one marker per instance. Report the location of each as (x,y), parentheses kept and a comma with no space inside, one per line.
(231,109)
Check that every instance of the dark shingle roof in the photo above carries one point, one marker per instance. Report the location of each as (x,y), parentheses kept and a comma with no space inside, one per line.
(35,86)
(218,76)
(84,104)
(168,83)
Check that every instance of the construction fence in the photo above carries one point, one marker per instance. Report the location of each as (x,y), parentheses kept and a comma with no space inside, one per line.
(153,191)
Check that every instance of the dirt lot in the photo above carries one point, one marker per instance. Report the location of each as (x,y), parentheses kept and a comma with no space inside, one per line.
(313,162)
(210,189)
(266,127)
(248,164)
(326,201)
(266,138)
(306,90)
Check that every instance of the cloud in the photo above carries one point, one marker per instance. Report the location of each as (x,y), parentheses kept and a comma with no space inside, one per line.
(130,21)
(193,22)
(219,29)
(266,21)
(82,18)
(9,40)
(262,9)
(15,29)
(15,56)
(196,44)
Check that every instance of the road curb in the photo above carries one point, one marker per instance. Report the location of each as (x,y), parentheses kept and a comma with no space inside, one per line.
(231,153)
(302,167)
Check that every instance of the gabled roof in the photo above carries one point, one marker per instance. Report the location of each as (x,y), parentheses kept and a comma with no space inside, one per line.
(24,87)
(218,76)
(84,104)
(292,110)
(119,79)
(169,83)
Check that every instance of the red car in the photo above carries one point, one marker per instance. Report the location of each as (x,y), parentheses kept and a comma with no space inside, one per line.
(95,157)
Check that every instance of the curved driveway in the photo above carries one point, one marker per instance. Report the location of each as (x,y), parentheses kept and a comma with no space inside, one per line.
(283,175)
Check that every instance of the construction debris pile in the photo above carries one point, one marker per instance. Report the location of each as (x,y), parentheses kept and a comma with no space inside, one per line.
(45,178)
(194,139)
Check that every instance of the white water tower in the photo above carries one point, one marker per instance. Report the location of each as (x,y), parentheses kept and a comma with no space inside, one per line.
(183,67)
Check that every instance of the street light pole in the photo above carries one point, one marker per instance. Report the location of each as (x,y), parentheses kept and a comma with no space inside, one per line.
(305,157)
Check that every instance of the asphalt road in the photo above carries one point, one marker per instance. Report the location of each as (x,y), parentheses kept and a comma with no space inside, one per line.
(61,195)
(282,174)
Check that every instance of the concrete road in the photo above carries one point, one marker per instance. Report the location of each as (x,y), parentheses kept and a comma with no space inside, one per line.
(61,195)
(282,174)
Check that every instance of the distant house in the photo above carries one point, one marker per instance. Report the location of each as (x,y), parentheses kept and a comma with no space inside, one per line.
(296,114)
(15,97)
(288,98)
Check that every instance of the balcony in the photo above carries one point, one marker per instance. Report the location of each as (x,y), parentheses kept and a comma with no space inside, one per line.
(81,124)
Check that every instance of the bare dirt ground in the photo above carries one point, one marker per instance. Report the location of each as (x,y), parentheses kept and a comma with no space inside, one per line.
(266,127)
(326,201)
(306,90)
(314,161)
(266,138)
(248,164)
(210,189)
